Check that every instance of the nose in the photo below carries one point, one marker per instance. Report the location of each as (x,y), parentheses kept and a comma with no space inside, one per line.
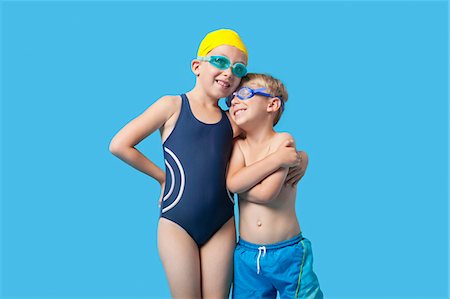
(235,100)
(228,72)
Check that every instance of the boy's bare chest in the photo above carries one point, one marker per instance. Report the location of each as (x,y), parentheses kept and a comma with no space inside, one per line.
(255,154)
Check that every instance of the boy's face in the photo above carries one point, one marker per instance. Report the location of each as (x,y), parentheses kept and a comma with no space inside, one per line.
(252,110)
(220,83)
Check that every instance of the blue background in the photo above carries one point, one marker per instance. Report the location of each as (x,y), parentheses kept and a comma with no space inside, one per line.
(368,85)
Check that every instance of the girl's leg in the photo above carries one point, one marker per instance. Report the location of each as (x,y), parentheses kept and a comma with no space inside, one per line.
(217,262)
(180,257)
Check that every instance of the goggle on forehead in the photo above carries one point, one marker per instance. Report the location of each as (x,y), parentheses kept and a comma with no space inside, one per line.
(246,92)
(222,63)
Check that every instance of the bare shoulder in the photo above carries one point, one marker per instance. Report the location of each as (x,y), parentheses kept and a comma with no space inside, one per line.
(238,143)
(157,114)
(281,137)
(171,106)
(239,147)
(162,109)
(172,99)
(171,103)
(153,118)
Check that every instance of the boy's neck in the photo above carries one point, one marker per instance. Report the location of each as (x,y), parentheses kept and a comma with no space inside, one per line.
(260,134)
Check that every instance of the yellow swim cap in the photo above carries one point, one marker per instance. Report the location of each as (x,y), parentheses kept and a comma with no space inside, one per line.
(221,37)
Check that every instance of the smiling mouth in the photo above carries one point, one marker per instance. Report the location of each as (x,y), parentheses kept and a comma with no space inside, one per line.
(239,111)
(223,83)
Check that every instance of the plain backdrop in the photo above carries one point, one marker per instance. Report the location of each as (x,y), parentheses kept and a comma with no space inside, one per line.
(368,86)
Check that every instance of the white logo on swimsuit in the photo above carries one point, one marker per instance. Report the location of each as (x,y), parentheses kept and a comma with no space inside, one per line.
(172,179)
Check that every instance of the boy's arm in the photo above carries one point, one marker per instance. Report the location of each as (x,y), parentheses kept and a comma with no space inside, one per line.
(270,187)
(241,178)
(267,189)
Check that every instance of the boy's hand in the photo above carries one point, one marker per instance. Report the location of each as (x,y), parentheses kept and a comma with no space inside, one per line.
(296,172)
(288,155)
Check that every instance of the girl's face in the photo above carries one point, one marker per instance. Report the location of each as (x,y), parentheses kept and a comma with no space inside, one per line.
(216,82)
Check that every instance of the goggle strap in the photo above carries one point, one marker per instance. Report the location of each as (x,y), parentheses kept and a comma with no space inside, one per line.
(282,103)
(260,89)
(264,94)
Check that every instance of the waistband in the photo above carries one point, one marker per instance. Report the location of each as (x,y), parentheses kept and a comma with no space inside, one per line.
(281,244)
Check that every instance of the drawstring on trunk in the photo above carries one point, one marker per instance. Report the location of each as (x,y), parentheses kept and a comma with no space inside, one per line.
(260,249)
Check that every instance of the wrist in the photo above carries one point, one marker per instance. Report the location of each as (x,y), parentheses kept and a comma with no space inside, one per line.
(161,178)
(162,182)
(277,160)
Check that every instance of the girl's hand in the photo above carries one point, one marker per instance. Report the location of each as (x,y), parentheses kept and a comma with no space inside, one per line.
(296,172)
(163,184)
(287,154)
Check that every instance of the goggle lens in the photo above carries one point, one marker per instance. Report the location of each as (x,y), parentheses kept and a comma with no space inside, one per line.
(222,63)
(239,70)
(244,93)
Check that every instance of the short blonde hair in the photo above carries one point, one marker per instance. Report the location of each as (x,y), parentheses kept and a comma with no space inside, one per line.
(274,86)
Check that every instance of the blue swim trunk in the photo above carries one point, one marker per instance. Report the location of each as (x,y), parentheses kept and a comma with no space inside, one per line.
(260,271)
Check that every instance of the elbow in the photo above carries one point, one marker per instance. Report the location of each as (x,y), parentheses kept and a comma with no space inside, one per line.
(234,186)
(266,196)
(258,198)
(231,186)
(261,196)
(270,196)
(115,148)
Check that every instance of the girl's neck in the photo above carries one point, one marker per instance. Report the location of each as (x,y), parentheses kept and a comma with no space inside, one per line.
(199,96)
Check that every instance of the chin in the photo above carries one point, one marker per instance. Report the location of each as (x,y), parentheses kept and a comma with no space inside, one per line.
(214,94)
(240,122)
(224,93)
(217,93)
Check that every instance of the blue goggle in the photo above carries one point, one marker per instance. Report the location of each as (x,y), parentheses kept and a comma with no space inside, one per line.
(222,63)
(246,92)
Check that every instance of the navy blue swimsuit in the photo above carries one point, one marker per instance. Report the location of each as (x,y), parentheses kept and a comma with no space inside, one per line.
(196,156)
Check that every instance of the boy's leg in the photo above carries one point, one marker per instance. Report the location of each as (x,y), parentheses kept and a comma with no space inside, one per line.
(298,280)
(248,283)
(180,257)
(216,258)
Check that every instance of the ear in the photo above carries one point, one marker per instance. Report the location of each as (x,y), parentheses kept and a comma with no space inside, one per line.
(195,67)
(274,104)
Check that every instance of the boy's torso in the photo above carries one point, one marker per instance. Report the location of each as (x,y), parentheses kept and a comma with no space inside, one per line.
(276,220)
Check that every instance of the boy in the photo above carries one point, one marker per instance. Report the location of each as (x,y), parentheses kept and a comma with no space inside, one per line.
(271,255)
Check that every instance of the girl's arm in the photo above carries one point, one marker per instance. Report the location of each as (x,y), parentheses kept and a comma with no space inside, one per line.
(123,143)
(241,178)
(296,173)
